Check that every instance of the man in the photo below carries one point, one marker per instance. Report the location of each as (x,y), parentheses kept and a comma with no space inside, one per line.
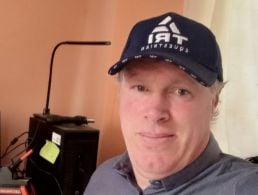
(170,78)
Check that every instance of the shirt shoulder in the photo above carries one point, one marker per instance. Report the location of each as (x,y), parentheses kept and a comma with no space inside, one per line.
(244,174)
(104,171)
(248,184)
(107,180)
(233,163)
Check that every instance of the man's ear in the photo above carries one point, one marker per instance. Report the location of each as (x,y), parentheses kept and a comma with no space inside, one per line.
(216,98)
(215,101)
(215,104)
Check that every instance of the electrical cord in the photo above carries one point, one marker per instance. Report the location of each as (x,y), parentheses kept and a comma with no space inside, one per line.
(19,153)
(13,141)
(14,148)
(48,174)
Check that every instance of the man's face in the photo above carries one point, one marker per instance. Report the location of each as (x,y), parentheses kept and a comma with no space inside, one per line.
(165,117)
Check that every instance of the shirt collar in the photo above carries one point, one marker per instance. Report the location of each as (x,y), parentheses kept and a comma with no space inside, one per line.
(123,165)
(209,156)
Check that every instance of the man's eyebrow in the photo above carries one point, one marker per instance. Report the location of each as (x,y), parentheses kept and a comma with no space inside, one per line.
(130,72)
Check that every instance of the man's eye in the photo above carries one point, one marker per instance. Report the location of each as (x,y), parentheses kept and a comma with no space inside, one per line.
(182,92)
(140,88)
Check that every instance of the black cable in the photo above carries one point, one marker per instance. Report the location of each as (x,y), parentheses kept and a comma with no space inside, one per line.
(47,173)
(12,142)
(19,153)
(11,150)
(23,133)
(6,150)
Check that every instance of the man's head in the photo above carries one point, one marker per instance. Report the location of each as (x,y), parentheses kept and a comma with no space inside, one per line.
(168,76)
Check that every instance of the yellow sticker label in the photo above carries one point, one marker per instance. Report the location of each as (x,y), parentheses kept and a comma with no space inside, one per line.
(49,151)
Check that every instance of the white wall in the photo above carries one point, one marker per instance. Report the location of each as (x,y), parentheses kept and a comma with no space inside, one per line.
(234,23)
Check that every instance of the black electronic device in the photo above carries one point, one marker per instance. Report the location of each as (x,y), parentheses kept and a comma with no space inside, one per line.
(76,162)
(77,143)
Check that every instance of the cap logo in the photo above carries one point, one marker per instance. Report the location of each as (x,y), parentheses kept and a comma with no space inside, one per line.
(166,35)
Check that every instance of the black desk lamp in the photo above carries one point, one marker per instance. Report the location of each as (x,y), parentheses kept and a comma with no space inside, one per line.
(46,111)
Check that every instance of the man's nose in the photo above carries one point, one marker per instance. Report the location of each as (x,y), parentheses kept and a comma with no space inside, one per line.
(157,109)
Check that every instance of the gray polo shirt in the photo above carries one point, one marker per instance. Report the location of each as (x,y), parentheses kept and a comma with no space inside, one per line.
(212,173)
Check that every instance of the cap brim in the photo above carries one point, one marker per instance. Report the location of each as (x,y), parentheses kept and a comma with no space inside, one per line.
(205,76)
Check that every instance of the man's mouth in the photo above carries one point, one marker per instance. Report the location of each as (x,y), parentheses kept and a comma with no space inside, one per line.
(156,137)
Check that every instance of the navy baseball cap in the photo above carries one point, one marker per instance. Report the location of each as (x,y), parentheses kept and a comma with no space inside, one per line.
(178,40)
